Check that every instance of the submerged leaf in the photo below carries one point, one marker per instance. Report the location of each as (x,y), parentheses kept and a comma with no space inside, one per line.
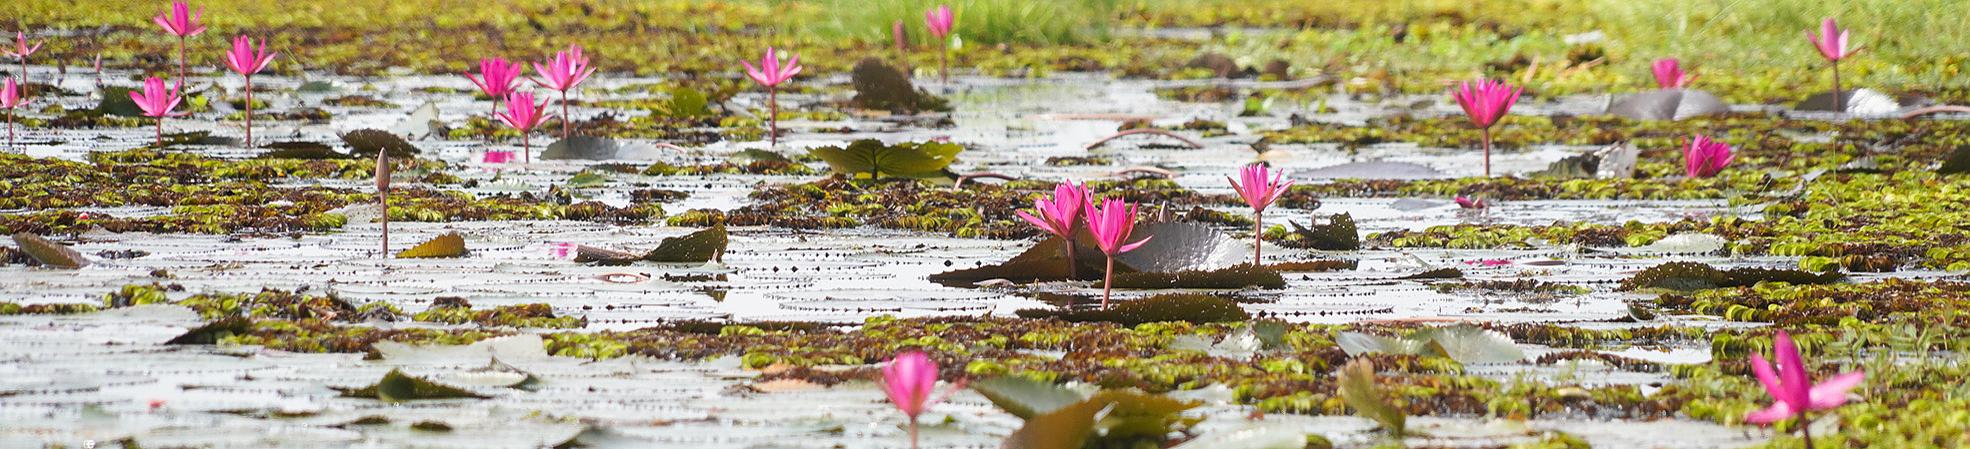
(1357,389)
(702,246)
(49,253)
(1025,398)
(904,160)
(443,246)
(211,333)
(1186,307)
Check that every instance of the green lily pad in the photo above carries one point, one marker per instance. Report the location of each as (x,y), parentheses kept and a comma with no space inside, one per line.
(443,246)
(211,333)
(367,142)
(587,179)
(1440,273)
(1958,161)
(881,87)
(1338,234)
(1698,276)
(398,387)
(1464,343)
(751,155)
(702,246)
(904,160)
(116,101)
(1357,389)
(300,150)
(49,253)
(1187,307)
(685,103)
(1025,398)
(604,256)
(1043,262)
(1066,428)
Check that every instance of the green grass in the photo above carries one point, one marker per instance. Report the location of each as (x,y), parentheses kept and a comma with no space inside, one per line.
(978,21)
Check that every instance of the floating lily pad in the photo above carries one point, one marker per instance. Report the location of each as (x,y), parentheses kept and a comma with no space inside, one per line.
(1958,161)
(1439,273)
(367,142)
(1860,102)
(1025,398)
(301,150)
(1668,104)
(881,87)
(904,160)
(751,155)
(116,101)
(443,246)
(211,333)
(1186,307)
(1241,276)
(1464,343)
(1042,262)
(1372,170)
(1699,276)
(587,179)
(604,256)
(1613,161)
(1357,389)
(48,253)
(1174,247)
(398,387)
(1338,234)
(685,103)
(1065,428)
(702,246)
(582,148)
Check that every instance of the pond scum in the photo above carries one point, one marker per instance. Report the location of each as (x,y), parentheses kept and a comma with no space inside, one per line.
(1816,299)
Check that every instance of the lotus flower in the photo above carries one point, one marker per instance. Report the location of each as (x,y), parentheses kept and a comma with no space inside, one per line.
(246,60)
(523,115)
(1832,44)
(157,101)
(496,79)
(180,21)
(21,51)
(1466,202)
(940,22)
(1259,193)
(1705,158)
(1061,217)
(561,250)
(1485,103)
(1669,74)
(909,379)
(1111,224)
(497,157)
(10,98)
(1793,392)
(771,73)
(567,70)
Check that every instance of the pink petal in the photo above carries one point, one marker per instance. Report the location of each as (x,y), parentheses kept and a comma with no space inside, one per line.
(1791,371)
(1777,412)
(1833,392)
(1133,246)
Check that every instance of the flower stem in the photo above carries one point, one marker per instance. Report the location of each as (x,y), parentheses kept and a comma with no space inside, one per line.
(160,132)
(526,148)
(249,111)
(772,117)
(1839,105)
(10,128)
(181,63)
(1487,151)
(913,432)
(567,123)
(1107,282)
(1258,238)
(24,78)
(384,197)
(1806,429)
(1073,268)
(944,65)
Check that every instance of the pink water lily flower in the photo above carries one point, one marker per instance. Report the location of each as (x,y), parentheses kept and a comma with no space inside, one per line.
(1258,193)
(567,70)
(497,157)
(497,78)
(940,21)
(180,21)
(10,98)
(1111,223)
(246,60)
(1793,392)
(157,101)
(20,52)
(1832,44)
(561,250)
(1061,216)
(523,115)
(1467,202)
(1485,102)
(1705,158)
(771,73)
(909,380)
(1669,74)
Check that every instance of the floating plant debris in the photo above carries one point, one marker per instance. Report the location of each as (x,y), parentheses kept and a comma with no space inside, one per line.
(448,245)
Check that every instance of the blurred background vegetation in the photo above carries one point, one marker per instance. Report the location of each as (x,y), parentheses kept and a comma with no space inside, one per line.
(1749,50)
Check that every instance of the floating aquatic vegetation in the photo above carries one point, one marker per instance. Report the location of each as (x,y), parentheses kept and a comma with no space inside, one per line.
(366,143)
(396,386)
(1464,343)
(48,253)
(701,246)
(1192,308)
(1338,234)
(881,87)
(1699,276)
(1358,390)
(876,160)
(214,332)
(1242,276)
(444,246)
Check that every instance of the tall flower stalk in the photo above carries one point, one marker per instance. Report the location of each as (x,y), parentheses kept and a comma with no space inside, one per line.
(909,380)
(1832,44)
(771,73)
(1793,392)
(1111,223)
(1061,216)
(180,21)
(1485,102)
(246,60)
(523,115)
(1259,192)
(940,21)
(496,79)
(383,169)
(563,73)
(157,101)
(20,52)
